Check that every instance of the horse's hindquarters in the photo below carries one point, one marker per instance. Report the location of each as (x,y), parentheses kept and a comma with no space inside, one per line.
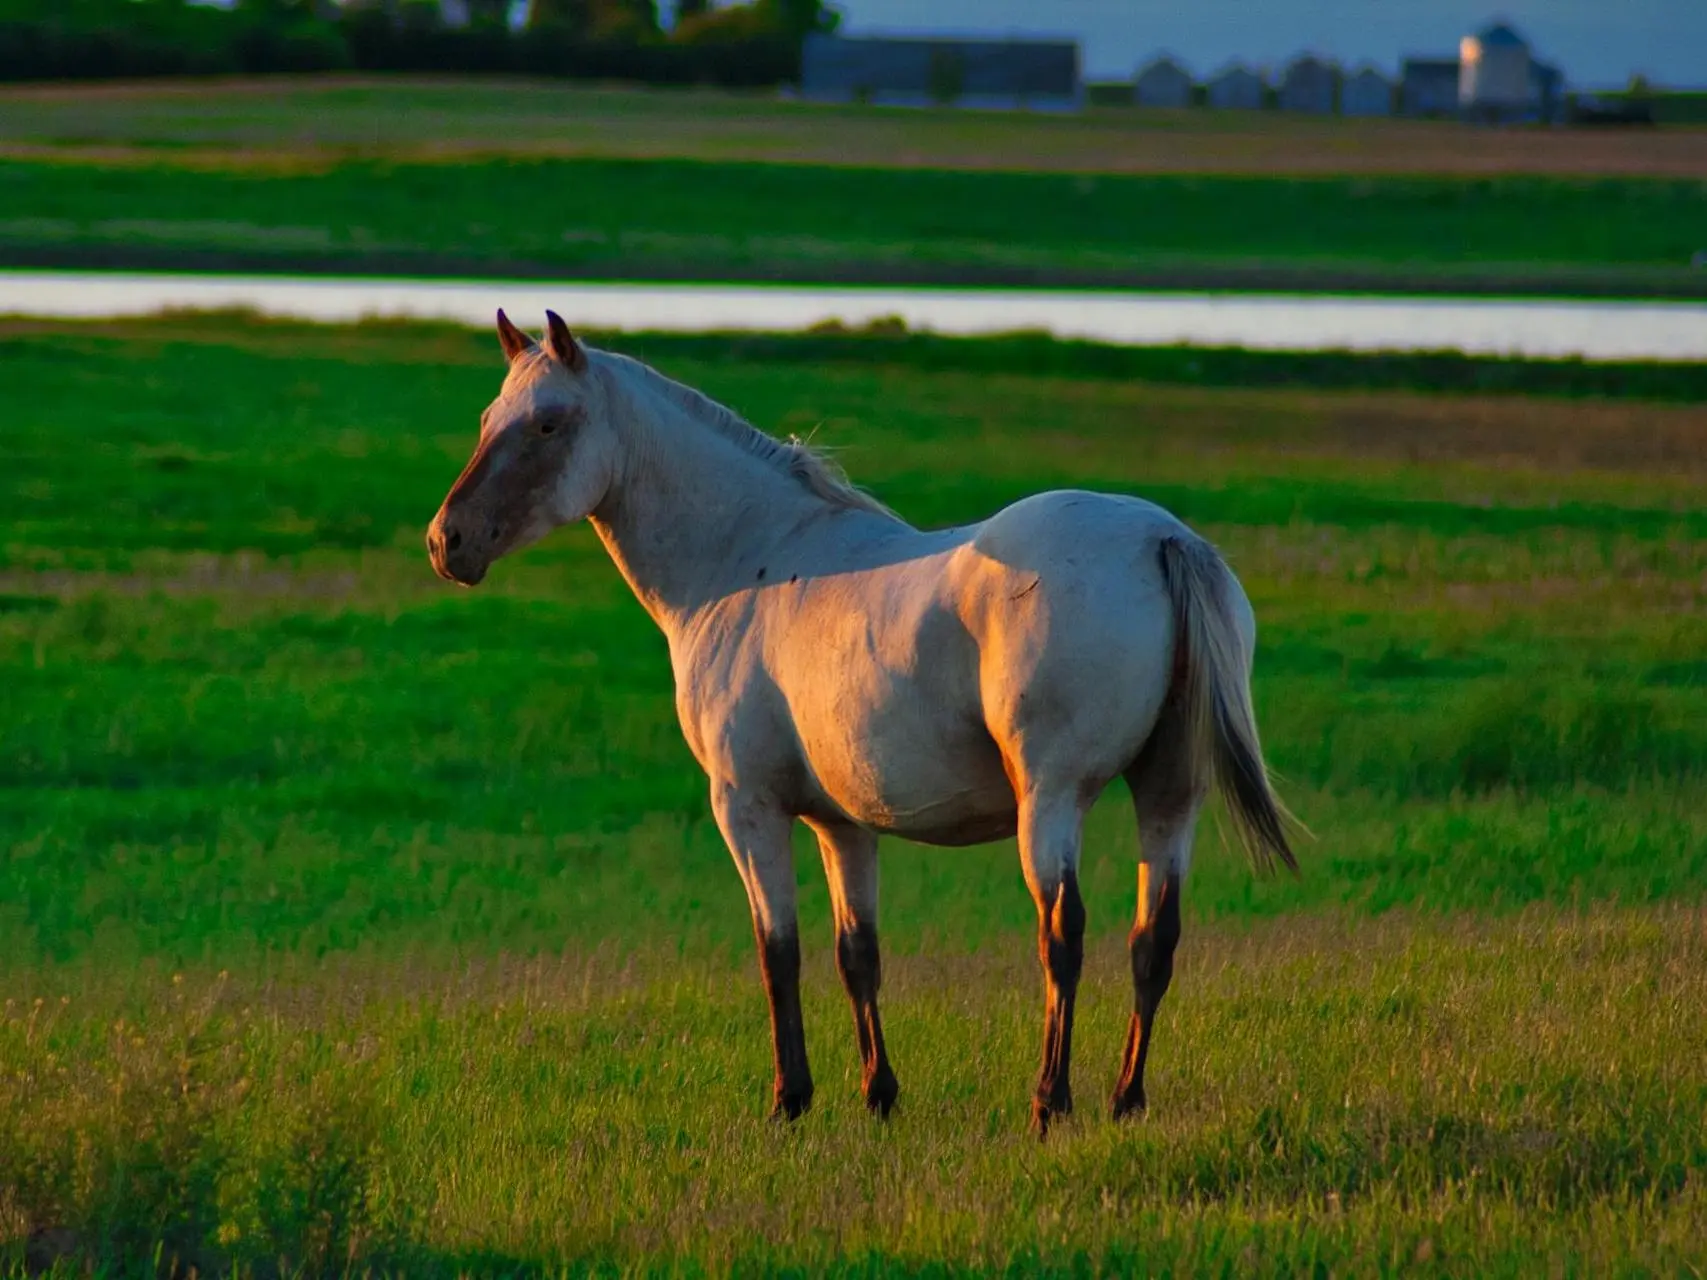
(1066,600)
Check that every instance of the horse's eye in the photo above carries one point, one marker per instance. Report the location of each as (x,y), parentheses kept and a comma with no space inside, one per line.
(548,426)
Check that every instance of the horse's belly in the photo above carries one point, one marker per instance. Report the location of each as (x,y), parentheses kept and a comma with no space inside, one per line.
(933,787)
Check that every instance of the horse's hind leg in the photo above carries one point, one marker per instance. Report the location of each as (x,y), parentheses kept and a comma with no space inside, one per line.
(1167,801)
(850,866)
(1049,840)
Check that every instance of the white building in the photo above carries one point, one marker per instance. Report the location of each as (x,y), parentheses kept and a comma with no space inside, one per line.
(1494,79)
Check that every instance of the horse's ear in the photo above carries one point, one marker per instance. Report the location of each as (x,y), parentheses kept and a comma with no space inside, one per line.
(562,345)
(512,339)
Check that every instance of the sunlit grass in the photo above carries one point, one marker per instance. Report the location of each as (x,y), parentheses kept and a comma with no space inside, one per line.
(1371,1096)
(373,920)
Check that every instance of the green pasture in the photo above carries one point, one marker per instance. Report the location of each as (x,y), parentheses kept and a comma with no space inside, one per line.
(482,177)
(359,922)
(694,220)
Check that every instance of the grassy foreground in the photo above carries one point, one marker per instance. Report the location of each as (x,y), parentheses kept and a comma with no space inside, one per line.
(1404,1096)
(346,918)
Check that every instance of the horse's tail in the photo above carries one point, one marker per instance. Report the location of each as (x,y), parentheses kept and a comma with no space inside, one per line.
(1212,681)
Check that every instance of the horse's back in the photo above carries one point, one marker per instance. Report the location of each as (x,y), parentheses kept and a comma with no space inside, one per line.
(1063,523)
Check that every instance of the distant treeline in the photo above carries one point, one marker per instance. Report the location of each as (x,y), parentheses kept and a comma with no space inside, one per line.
(755,43)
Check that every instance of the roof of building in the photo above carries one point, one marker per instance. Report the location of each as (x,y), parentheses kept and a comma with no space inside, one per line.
(1161,62)
(1307,66)
(1233,69)
(905,64)
(1500,36)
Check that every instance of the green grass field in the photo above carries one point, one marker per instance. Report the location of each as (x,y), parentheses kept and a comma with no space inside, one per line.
(349,919)
(533,181)
(256,122)
(688,220)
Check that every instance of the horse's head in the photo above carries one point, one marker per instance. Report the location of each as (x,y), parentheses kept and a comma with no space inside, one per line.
(545,457)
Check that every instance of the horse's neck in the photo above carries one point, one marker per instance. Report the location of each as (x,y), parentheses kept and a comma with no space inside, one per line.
(692,515)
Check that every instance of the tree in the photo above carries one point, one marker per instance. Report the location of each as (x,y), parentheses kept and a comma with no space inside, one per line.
(792,20)
(947,77)
(624,21)
(489,13)
(570,14)
(799,18)
(421,15)
(615,21)
(278,9)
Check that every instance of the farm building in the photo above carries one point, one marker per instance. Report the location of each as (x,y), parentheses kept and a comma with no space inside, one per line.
(1366,93)
(1163,83)
(1547,90)
(1429,87)
(1237,88)
(1494,75)
(1308,85)
(919,72)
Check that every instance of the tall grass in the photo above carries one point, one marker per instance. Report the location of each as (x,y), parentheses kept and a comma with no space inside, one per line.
(1393,1095)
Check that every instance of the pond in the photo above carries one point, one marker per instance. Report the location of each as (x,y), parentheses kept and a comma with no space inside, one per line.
(1593,330)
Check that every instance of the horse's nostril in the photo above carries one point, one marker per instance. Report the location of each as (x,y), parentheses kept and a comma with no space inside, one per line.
(454,541)
(495,532)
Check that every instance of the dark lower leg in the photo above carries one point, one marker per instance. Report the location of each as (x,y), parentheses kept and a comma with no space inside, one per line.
(779,957)
(862,973)
(1153,942)
(1061,948)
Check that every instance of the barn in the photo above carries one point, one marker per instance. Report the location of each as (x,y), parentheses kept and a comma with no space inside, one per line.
(1163,83)
(1366,93)
(1041,75)
(1308,85)
(1237,88)
(1429,87)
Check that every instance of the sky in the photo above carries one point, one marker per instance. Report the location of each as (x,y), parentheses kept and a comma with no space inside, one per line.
(1598,43)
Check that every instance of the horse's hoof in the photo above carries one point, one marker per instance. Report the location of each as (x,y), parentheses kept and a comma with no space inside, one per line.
(791,1106)
(1046,1111)
(880,1094)
(1129,1104)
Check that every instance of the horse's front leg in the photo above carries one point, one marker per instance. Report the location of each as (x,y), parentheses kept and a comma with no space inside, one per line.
(757,833)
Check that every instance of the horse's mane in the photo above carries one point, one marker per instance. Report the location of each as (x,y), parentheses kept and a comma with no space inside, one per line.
(808,467)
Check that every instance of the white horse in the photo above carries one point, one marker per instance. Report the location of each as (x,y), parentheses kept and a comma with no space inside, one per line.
(835,665)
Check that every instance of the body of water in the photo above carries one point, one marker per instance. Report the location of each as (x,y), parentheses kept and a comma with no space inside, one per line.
(1535,328)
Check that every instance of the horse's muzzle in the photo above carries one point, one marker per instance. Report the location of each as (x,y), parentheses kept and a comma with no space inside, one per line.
(452,557)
